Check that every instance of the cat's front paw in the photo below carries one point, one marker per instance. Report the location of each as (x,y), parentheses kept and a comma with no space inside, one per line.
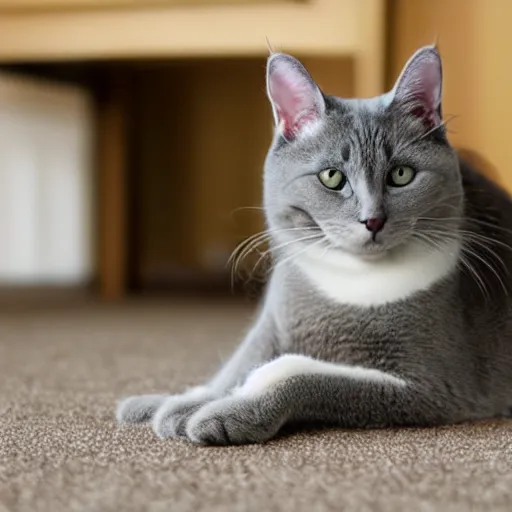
(139,408)
(234,420)
(173,414)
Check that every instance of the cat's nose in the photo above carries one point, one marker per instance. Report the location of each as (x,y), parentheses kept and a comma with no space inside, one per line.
(374,224)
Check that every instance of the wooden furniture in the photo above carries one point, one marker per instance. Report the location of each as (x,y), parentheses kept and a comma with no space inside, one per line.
(341,41)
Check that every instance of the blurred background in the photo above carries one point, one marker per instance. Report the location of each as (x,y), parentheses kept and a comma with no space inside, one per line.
(133,132)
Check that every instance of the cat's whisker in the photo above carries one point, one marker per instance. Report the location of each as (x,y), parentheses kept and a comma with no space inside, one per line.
(400,147)
(444,122)
(481,238)
(326,250)
(442,201)
(240,252)
(245,242)
(295,255)
(469,220)
(430,241)
(472,238)
(490,225)
(478,279)
(290,242)
(261,236)
(285,244)
(256,241)
(491,252)
(253,242)
(474,254)
(465,250)
(248,247)
(247,208)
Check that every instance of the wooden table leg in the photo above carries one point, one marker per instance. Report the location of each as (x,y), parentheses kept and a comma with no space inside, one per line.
(113,184)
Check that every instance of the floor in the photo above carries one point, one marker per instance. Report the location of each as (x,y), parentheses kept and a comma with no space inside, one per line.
(64,363)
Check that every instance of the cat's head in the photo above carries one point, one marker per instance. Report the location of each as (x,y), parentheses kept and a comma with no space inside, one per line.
(363,176)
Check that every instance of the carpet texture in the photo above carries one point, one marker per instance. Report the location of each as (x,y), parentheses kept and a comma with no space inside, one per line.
(62,367)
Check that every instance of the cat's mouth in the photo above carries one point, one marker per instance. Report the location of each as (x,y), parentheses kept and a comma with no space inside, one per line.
(362,247)
(367,246)
(374,250)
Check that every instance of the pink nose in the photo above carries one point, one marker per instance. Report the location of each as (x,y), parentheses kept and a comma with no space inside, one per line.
(375,225)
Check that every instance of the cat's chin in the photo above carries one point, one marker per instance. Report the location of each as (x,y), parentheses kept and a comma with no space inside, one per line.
(373,256)
(372,251)
(375,253)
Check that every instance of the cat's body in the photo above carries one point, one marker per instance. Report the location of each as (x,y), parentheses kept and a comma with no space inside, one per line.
(390,301)
(459,349)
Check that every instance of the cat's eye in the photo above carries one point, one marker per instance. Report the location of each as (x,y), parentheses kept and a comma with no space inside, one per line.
(401,176)
(332,178)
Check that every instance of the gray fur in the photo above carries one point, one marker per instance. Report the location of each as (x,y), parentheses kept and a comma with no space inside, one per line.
(450,343)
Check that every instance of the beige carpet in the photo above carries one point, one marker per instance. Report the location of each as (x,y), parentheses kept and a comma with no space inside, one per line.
(63,366)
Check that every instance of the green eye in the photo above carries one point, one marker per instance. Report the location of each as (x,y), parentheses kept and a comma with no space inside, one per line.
(401,176)
(332,178)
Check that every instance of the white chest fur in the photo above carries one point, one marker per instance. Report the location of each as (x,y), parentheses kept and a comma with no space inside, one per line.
(350,280)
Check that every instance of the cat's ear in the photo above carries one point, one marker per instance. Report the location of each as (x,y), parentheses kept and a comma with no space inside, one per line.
(297,102)
(419,87)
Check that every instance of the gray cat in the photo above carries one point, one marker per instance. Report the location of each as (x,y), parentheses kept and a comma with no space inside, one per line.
(389,300)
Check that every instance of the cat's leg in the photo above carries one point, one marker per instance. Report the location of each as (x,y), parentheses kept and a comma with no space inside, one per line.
(258,347)
(297,389)
(169,413)
(139,408)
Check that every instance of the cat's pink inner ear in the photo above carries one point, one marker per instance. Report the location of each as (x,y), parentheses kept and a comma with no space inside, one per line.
(420,86)
(297,101)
